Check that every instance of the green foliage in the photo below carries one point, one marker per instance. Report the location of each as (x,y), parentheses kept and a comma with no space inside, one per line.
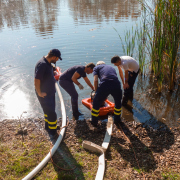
(138,170)
(157,39)
(170,175)
(165,40)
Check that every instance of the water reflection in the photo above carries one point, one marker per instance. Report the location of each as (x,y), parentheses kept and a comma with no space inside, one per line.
(13,13)
(43,14)
(83,10)
(15,102)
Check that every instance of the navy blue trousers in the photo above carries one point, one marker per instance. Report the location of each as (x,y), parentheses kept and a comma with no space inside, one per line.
(50,116)
(113,88)
(128,93)
(69,87)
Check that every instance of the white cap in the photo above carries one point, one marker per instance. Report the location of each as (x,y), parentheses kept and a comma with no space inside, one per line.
(100,62)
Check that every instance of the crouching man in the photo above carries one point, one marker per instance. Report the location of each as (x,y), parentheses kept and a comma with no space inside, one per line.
(109,84)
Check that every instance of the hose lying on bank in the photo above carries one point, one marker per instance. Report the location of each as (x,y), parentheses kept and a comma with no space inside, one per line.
(101,149)
(56,145)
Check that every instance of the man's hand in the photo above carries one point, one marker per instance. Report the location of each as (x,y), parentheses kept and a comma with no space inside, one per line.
(80,86)
(42,94)
(37,84)
(126,86)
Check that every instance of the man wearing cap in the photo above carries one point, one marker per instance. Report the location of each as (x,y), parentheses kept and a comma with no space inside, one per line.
(70,77)
(109,84)
(44,82)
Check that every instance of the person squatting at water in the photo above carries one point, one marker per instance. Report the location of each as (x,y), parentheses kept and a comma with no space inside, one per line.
(71,76)
(131,68)
(44,82)
(109,84)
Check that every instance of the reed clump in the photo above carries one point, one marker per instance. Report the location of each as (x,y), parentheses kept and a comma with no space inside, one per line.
(156,40)
(165,43)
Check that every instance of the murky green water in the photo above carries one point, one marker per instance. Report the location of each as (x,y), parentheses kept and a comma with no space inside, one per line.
(82,30)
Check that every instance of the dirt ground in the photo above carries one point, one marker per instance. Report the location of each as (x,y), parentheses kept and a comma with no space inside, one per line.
(136,151)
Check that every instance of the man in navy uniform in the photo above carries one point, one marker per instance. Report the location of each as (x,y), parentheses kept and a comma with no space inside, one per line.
(44,82)
(70,77)
(109,84)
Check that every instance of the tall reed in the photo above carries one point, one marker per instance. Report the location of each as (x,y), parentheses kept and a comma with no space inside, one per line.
(165,41)
(133,39)
(128,47)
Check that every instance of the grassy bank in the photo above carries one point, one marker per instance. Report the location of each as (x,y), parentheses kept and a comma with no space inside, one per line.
(157,152)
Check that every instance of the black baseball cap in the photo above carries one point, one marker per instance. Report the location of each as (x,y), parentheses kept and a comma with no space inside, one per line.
(56,53)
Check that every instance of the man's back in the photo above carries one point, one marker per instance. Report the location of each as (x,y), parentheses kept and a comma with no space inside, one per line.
(67,75)
(105,73)
(129,63)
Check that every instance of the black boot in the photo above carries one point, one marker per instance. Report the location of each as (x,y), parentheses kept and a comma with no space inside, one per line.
(131,96)
(75,116)
(79,113)
(124,101)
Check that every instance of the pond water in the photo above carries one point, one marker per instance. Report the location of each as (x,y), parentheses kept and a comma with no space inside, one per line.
(84,32)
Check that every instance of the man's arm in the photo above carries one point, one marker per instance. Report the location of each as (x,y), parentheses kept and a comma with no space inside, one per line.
(126,85)
(75,77)
(121,74)
(95,82)
(37,84)
(88,82)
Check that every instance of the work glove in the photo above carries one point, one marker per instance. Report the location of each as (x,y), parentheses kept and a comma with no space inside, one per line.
(80,86)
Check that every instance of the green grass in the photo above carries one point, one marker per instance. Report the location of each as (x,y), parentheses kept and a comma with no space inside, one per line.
(170,176)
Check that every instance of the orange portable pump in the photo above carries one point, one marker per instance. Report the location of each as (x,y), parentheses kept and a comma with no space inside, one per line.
(57,73)
(106,107)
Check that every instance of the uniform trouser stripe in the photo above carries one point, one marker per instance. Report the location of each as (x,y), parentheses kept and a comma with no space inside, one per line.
(117,109)
(52,127)
(52,123)
(117,113)
(95,110)
(96,115)
(50,116)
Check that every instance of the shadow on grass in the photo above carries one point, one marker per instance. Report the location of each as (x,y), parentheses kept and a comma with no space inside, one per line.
(63,162)
(65,165)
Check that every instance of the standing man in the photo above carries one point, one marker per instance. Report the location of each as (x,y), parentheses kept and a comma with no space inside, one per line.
(131,70)
(45,89)
(109,84)
(71,76)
